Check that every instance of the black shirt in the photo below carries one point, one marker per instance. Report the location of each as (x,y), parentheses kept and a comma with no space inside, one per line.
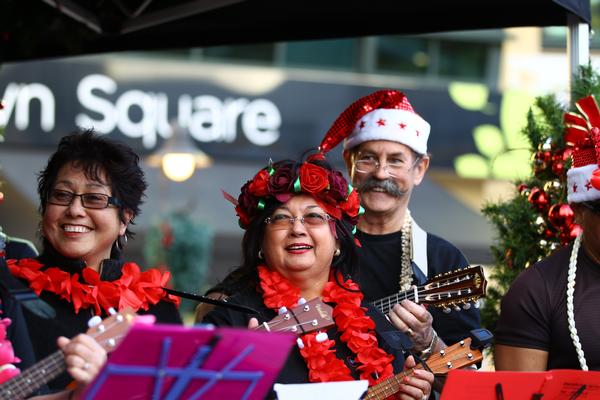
(534,310)
(295,369)
(379,277)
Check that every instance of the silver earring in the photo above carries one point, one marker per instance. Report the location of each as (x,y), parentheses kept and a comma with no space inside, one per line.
(337,252)
(260,254)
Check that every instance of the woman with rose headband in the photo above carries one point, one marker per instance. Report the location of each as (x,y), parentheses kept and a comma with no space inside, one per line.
(90,191)
(298,246)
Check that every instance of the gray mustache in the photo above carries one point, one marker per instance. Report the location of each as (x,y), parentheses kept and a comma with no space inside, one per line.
(387,185)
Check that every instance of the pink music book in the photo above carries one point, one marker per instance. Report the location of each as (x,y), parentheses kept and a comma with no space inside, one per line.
(170,362)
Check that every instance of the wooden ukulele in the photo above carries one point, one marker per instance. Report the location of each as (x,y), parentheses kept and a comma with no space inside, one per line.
(456,356)
(455,288)
(308,317)
(108,334)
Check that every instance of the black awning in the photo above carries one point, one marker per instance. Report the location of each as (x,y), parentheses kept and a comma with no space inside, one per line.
(31,29)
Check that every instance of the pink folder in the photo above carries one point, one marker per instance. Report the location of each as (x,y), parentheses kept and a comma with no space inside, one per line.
(171,362)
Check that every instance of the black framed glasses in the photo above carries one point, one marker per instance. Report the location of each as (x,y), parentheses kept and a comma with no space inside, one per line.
(593,207)
(88,200)
(310,220)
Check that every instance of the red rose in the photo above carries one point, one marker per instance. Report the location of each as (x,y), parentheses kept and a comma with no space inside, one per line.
(313,179)
(282,180)
(338,186)
(259,186)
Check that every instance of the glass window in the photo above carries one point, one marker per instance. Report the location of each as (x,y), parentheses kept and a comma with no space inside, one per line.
(261,53)
(335,54)
(462,60)
(402,54)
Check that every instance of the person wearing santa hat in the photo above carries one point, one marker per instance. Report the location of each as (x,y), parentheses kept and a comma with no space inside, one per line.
(385,150)
(549,316)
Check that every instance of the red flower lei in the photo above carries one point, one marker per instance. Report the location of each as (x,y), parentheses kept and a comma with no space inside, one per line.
(135,289)
(351,320)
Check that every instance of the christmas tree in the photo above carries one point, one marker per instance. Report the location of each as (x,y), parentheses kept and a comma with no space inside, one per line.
(538,219)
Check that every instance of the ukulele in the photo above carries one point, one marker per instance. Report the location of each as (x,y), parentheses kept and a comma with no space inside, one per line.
(304,318)
(456,356)
(107,333)
(455,288)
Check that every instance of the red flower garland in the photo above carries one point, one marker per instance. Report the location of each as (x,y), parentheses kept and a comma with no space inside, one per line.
(351,320)
(135,289)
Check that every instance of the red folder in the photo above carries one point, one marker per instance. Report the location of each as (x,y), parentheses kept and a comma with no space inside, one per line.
(560,384)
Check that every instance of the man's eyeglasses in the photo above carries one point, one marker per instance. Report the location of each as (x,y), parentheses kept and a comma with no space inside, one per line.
(88,200)
(394,168)
(594,207)
(310,220)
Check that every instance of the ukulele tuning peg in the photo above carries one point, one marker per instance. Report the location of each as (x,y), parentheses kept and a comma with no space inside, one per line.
(300,343)
(94,321)
(476,304)
(446,310)
(457,308)
(466,306)
(301,301)
(112,311)
(282,310)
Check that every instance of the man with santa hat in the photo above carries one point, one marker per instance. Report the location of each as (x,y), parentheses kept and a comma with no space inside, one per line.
(385,151)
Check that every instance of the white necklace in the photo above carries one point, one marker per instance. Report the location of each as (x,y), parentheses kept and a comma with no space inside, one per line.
(570,308)
(406,270)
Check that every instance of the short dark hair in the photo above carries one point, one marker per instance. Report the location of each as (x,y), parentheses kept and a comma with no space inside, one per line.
(96,155)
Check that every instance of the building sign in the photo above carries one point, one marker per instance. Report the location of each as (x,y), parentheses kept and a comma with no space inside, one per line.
(45,100)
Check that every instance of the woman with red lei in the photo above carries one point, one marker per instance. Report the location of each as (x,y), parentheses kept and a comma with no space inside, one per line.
(299,246)
(90,192)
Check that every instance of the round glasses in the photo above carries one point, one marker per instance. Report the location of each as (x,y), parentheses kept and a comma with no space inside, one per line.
(310,220)
(394,168)
(88,200)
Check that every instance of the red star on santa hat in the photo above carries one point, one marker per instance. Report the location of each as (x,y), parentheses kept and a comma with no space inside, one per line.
(417,133)
(402,125)
(381,122)
(574,188)
(588,185)
(362,124)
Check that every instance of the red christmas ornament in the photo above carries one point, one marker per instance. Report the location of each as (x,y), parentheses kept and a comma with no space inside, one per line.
(522,187)
(538,198)
(561,216)
(1,197)
(548,234)
(575,230)
(558,168)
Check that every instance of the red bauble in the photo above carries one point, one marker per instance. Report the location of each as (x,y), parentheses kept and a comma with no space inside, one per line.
(1,197)
(575,231)
(561,216)
(522,187)
(538,198)
(558,168)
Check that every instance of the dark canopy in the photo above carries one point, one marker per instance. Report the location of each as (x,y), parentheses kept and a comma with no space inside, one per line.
(54,28)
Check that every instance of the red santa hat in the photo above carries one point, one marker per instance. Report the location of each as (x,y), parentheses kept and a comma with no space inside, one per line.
(583,133)
(382,115)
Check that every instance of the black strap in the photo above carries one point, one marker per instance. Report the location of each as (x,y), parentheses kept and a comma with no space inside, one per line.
(204,299)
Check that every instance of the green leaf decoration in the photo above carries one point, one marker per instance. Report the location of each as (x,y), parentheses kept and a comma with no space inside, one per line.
(488,140)
(471,166)
(512,165)
(470,96)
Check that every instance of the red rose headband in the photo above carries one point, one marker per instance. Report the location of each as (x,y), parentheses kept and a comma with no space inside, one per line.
(583,133)
(284,179)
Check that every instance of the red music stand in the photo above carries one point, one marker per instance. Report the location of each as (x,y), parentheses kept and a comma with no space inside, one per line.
(559,384)
(169,362)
